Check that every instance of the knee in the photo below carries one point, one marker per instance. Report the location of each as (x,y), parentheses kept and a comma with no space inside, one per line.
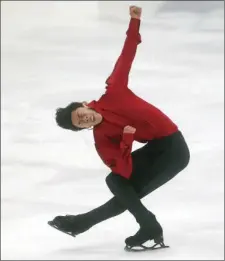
(186,159)
(114,180)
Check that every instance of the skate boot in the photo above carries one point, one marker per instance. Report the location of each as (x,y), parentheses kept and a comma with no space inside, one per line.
(150,231)
(70,224)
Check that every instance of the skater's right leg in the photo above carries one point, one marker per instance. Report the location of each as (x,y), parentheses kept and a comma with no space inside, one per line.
(113,207)
(80,223)
(108,210)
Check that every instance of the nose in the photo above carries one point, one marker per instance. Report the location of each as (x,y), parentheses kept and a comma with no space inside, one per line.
(86,119)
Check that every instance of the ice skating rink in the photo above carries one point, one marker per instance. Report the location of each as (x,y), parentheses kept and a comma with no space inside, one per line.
(53,53)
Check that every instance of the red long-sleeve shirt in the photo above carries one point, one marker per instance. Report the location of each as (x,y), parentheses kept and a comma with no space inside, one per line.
(120,107)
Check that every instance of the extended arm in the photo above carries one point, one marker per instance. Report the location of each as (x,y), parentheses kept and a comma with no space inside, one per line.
(120,74)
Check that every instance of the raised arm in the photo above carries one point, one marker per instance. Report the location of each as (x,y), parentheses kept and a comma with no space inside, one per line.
(120,73)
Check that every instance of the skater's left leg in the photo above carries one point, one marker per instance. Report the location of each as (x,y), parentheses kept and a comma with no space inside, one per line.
(173,160)
(126,194)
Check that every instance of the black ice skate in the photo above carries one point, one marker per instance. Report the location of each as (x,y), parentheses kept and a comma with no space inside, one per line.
(153,231)
(69,224)
(135,244)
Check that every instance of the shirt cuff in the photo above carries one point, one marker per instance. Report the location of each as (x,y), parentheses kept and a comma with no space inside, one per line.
(135,23)
(128,138)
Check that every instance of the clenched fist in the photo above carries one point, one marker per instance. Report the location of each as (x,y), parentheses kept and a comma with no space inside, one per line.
(129,129)
(135,12)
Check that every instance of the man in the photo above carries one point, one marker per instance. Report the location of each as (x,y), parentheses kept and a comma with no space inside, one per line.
(118,118)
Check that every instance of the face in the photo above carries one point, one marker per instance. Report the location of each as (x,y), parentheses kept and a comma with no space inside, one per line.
(85,117)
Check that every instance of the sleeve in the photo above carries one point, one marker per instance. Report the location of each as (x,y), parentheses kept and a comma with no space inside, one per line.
(120,73)
(117,158)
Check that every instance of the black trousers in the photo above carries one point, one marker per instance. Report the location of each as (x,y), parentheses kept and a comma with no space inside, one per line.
(153,165)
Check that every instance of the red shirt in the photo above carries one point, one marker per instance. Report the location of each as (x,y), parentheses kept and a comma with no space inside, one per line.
(120,107)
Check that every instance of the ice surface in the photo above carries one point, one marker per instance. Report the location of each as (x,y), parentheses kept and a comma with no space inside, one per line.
(57,52)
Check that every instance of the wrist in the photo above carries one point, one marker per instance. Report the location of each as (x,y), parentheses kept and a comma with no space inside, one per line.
(136,17)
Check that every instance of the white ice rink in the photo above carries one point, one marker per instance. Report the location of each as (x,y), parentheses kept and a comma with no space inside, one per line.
(53,53)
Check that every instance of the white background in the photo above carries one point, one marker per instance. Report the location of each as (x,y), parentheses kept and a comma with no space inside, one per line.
(53,53)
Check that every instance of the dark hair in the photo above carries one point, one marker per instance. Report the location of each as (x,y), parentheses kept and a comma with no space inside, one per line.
(63,116)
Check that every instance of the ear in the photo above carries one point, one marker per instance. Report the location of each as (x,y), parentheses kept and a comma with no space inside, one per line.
(85,104)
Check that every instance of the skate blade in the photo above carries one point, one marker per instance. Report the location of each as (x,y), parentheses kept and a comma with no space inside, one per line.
(50,223)
(143,248)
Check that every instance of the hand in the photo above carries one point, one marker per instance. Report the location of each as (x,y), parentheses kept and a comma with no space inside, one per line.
(129,129)
(135,12)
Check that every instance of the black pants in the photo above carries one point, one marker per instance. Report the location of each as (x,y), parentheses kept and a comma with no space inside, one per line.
(153,165)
